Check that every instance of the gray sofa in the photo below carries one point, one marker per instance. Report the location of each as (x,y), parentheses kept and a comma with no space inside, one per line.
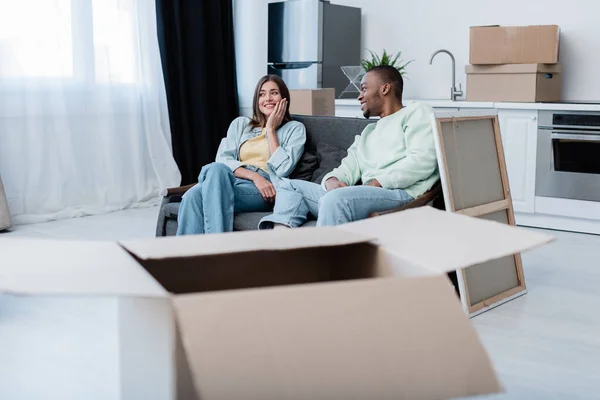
(327,141)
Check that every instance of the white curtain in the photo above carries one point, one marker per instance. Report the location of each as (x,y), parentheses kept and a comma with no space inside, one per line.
(83,117)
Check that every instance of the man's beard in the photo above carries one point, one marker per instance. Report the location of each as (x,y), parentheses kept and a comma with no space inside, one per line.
(367,112)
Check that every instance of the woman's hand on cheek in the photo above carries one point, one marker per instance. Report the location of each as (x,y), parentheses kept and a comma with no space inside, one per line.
(277,115)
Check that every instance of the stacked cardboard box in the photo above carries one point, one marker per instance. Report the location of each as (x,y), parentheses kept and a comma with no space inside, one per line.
(516,63)
(318,102)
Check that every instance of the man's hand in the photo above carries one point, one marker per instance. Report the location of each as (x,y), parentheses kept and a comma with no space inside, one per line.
(334,183)
(373,182)
(266,188)
(277,115)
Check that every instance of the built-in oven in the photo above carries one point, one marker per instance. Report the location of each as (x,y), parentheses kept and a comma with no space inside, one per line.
(568,155)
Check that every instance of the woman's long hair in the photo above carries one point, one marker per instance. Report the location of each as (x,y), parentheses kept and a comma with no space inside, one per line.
(259,120)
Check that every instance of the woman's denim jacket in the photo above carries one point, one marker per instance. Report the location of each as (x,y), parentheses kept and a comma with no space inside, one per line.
(291,137)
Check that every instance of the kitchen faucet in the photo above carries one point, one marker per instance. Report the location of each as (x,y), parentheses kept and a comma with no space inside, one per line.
(453,92)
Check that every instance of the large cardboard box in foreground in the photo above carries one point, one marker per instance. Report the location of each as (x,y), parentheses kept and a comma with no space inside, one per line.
(536,44)
(362,310)
(514,82)
(320,102)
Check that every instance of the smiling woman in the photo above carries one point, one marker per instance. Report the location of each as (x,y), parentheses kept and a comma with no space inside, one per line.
(270,89)
(83,116)
(254,154)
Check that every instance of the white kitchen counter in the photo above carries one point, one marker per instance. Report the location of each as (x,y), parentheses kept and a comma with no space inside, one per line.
(439,103)
(548,106)
(442,103)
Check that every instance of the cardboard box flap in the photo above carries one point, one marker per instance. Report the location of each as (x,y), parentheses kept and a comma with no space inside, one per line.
(443,241)
(239,242)
(35,266)
(514,69)
(310,342)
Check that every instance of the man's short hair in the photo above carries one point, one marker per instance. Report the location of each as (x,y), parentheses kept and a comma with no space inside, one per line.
(390,75)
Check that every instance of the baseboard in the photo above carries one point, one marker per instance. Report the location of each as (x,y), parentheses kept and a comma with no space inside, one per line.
(558,223)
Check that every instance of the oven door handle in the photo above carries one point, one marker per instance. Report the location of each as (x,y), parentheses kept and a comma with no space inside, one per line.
(567,128)
(564,135)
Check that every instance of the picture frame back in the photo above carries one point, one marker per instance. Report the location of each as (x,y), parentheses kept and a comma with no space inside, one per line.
(475,183)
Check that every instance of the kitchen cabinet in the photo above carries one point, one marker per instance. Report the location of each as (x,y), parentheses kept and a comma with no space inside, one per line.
(518,129)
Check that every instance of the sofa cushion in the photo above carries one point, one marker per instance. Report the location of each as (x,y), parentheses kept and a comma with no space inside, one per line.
(241,222)
(329,157)
(308,163)
(334,131)
(248,221)
(306,166)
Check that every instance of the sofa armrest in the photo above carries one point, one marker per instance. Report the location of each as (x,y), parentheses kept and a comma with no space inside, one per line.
(420,201)
(176,191)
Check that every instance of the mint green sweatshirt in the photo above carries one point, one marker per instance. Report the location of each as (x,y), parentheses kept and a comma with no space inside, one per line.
(398,151)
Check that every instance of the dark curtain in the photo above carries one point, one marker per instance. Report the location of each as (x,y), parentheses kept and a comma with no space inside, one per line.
(197,51)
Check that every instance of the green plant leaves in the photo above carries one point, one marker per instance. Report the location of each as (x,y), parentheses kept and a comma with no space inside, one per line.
(385,59)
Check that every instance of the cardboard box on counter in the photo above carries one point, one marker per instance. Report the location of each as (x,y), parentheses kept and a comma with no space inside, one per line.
(362,310)
(536,44)
(319,102)
(514,82)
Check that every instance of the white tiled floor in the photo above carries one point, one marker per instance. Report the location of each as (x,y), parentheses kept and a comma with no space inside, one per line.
(544,345)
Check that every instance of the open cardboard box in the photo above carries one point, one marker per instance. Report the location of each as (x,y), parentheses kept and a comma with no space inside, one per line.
(362,310)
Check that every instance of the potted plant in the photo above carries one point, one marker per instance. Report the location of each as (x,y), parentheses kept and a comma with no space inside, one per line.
(354,73)
(384,59)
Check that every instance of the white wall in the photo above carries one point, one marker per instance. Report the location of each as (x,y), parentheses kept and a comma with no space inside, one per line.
(418,28)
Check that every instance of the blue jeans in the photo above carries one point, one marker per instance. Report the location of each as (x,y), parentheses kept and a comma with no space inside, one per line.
(297,199)
(209,206)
